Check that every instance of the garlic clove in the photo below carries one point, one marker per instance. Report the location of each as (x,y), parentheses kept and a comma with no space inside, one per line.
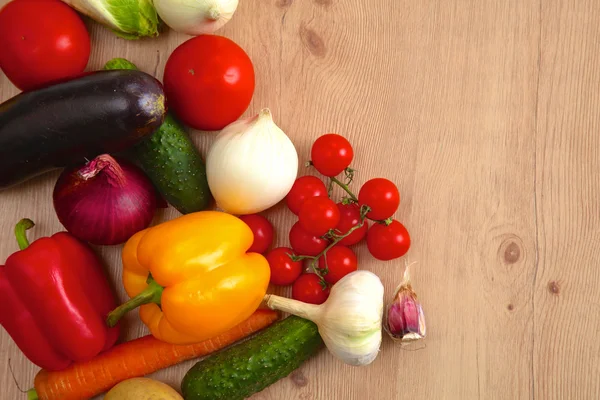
(405,320)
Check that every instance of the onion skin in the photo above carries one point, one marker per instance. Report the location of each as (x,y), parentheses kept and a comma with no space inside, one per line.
(104,202)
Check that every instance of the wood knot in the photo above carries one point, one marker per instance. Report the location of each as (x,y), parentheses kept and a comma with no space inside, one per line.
(510,250)
(510,307)
(512,253)
(299,379)
(284,3)
(554,288)
(312,41)
(324,3)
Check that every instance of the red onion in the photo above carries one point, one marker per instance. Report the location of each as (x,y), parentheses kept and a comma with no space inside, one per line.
(104,202)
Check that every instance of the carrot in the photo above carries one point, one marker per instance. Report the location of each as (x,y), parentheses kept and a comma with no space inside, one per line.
(132,359)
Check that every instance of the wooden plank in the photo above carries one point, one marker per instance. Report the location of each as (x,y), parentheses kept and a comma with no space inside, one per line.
(567,300)
(440,97)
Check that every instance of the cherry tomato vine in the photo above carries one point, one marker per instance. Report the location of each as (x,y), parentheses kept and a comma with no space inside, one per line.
(325,229)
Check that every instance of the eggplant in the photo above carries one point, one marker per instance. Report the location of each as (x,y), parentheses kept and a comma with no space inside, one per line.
(74,121)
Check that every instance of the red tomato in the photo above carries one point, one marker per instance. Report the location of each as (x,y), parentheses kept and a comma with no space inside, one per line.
(262,230)
(308,289)
(340,262)
(41,42)
(388,242)
(304,243)
(209,82)
(382,196)
(331,154)
(318,215)
(304,188)
(350,217)
(284,271)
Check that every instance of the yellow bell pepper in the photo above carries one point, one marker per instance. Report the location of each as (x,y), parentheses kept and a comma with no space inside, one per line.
(196,267)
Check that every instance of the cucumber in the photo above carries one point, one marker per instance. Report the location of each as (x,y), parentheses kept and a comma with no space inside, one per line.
(251,366)
(171,161)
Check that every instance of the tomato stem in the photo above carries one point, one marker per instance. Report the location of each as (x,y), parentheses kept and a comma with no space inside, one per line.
(349,175)
(330,189)
(295,257)
(353,198)
(314,264)
(386,222)
(345,187)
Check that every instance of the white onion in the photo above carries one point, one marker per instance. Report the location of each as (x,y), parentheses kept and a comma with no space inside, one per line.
(251,166)
(195,17)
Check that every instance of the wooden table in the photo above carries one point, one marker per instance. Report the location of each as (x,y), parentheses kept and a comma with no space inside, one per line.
(486,114)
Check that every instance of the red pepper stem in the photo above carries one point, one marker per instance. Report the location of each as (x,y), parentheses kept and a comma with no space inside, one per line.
(151,294)
(20,232)
(32,395)
(106,164)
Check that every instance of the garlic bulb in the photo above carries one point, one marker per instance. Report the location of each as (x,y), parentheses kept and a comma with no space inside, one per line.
(195,17)
(251,166)
(350,319)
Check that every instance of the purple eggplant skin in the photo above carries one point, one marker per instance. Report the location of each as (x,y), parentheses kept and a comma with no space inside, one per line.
(74,121)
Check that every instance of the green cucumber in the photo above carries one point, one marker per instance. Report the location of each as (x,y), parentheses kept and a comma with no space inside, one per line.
(171,161)
(251,366)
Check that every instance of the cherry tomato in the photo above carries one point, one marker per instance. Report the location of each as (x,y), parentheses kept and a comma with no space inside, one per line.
(388,242)
(305,187)
(305,243)
(262,230)
(42,41)
(382,196)
(284,271)
(308,289)
(209,82)
(318,215)
(331,154)
(350,217)
(340,262)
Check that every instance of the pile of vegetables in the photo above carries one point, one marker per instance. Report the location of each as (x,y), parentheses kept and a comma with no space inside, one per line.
(198,280)
(325,230)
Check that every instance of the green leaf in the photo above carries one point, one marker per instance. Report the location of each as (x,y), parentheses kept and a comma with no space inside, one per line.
(120,63)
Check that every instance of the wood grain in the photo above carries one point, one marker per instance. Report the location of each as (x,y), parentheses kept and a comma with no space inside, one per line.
(566,297)
(486,115)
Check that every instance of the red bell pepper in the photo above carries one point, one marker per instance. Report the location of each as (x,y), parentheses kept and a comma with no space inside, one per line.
(54,298)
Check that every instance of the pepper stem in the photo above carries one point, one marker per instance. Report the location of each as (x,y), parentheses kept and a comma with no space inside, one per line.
(32,395)
(20,232)
(151,294)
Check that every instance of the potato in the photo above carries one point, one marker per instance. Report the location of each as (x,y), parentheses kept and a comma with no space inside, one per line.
(142,389)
